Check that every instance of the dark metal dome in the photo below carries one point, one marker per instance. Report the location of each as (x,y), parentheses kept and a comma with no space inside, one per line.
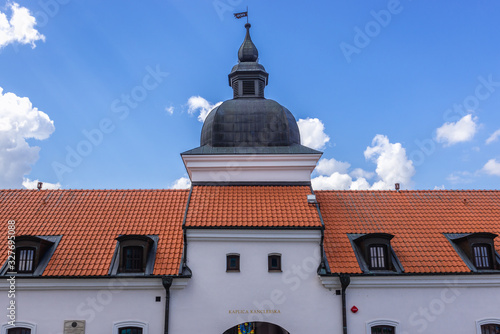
(250,122)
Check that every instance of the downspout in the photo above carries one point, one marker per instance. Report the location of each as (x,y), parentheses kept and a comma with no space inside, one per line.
(345,279)
(184,269)
(167,283)
(322,265)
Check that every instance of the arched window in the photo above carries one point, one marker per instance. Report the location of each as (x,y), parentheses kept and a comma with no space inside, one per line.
(382,327)
(488,326)
(19,330)
(130,327)
(130,330)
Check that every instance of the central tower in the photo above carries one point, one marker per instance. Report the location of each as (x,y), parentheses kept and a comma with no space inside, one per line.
(250,138)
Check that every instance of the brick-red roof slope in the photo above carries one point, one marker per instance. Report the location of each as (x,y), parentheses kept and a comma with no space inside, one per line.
(90,220)
(252,207)
(417,219)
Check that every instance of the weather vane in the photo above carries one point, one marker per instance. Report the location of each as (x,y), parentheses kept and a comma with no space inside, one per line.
(242,14)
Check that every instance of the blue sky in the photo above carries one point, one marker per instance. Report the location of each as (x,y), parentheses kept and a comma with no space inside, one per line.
(405,91)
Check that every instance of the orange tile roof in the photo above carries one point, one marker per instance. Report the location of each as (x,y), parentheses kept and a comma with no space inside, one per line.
(251,206)
(90,220)
(417,219)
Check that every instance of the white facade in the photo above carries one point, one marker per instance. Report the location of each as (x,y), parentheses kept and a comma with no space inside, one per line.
(296,299)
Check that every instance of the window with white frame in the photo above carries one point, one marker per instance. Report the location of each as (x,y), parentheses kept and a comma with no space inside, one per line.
(488,326)
(20,328)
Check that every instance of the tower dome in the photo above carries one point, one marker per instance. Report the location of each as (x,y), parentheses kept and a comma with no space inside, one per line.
(249,119)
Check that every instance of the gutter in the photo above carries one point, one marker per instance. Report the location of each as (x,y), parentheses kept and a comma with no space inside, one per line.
(345,279)
(166,281)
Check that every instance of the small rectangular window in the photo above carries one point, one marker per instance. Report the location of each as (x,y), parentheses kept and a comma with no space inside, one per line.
(482,256)
(233,262)
(274,262)
(378,257)
(25,260)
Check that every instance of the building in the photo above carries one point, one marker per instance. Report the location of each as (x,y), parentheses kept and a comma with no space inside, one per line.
(250,247)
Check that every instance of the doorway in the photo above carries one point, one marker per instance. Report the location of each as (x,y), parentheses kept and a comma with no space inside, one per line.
(256,328)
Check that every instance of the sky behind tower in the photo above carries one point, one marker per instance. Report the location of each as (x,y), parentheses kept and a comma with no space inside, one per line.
(108,94)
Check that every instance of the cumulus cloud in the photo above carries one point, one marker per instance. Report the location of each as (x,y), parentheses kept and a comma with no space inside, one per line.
(312,133)
(330,166)
(33,184)
(463,130)
(335,181)
(494,137)
(20,27)
(360,173)
(182,183)
(492,167)
(19,120)
(393,166)
(197,104)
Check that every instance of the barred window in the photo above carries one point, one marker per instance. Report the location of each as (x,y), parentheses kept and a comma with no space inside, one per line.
(25,258)
(482,256)
(378,256)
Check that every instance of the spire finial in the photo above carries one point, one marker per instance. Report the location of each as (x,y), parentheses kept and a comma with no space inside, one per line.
(248,51)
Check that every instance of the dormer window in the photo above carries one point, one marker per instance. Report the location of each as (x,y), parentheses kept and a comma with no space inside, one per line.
(25,259)
(476,249)
(378,257)
(482,256)
(32,254)
(133,258)
(134,254)
(374,252)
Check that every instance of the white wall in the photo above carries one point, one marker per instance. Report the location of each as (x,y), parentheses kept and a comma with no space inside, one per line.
(101,302)
(305,306)
(424,304)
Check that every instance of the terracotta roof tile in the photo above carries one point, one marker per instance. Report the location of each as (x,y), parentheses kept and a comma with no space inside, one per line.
(251,206)
(90,220)
(417,219)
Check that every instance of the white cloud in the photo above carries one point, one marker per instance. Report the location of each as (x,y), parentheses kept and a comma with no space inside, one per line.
(494,137)
(441,187)
(199,104)
(19,120)
(169,110)
(312,133)
(330,166)
(335,181)
(32,184)
(460,177)
(393,166)
(182,183)
(361,173)
(20,27)
(457,132)
(492,167)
